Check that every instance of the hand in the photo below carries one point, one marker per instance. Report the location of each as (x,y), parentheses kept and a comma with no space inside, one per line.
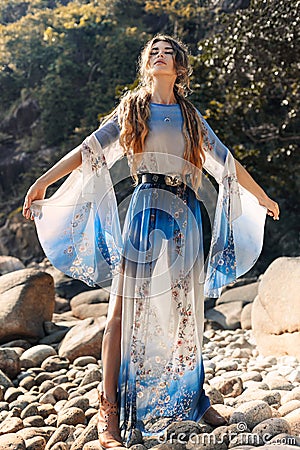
(36,192)
(272,207)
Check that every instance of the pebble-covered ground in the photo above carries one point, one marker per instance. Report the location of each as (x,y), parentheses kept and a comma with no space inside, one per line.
(53,405)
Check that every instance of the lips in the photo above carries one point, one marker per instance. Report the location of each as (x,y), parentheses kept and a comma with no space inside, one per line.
(160,61)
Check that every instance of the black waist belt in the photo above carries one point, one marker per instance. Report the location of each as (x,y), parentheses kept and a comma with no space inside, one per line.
(170,180)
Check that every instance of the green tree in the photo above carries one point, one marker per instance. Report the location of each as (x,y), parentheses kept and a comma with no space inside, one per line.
(246,81)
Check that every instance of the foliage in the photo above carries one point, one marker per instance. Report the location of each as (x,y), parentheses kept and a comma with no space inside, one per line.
(252,69)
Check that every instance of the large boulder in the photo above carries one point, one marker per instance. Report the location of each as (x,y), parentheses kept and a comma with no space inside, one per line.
(226,315)
(26,302)
(84,339)
(276,309)
(245,294)
(90,304)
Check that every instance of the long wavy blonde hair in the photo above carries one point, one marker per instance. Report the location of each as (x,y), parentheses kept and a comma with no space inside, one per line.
(134,109)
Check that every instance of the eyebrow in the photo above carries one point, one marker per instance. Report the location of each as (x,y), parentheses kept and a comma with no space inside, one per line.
(166,48)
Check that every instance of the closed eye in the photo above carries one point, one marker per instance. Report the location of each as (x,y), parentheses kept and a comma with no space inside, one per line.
(155,52)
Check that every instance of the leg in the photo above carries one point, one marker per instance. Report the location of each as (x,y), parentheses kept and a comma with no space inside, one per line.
(111,352)
(108,420)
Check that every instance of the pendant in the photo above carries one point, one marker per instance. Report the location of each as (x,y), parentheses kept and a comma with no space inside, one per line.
(167,119)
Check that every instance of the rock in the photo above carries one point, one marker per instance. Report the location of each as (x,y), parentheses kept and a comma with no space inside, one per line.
(10,425)
(293,418)
(89,434)
(4,380)
(77,402)
(182,430)
(230,388)
(289,407)
(270,397)
(94,310)
(54,363)
(276,330)
(30,410)
(60,435)
(294,376)
(96,296)
(10,264)
(35,443)
(90,376)
(170,446)
(17,343)
(214,395)
(246,323)
(38,354)
(272,427)
(251,375)
(132,447)
(227,315)
(292,395)
(83,339)
(12,394)
(226,365)
(95,445)
(48,399)
(26,301)
(46,410)
(34,421)
(245,294)
(84,361)
(10,441)
(71,416)
(278,382)
(54,338)
(18,235)
(59,393)
(27,383)
(65,286)
(31,432)
(60,446)
(225,411)
(10,362)
(46,385)
(61,304)
(252,413)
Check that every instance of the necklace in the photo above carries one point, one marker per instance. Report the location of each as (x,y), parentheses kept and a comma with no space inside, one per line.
(167,119)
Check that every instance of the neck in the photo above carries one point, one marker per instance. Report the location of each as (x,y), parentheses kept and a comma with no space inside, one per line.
(163,91)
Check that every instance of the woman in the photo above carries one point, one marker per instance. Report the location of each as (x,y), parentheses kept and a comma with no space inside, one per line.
(152,341)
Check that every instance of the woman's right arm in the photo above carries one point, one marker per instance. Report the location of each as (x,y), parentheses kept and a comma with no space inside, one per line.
(106,135)
(63,167)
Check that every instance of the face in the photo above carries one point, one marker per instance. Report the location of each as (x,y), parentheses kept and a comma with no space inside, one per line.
(161,59)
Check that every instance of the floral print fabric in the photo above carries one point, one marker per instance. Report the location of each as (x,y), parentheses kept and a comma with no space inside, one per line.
(156,264)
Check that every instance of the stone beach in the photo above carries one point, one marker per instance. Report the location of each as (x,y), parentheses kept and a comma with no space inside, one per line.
(50,370)
(52,403)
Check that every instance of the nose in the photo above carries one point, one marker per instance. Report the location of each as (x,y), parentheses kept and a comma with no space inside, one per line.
(161,54)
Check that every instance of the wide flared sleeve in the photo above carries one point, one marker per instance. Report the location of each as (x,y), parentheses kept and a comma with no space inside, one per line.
(78,227)
(238,225)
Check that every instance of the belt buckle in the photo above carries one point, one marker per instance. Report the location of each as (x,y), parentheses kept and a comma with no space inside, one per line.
(173,180)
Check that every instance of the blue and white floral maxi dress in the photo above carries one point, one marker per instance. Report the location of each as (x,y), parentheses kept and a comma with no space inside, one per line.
(157,262)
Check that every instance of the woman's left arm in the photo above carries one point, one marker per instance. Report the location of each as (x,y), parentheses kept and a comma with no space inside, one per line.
(246,180)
